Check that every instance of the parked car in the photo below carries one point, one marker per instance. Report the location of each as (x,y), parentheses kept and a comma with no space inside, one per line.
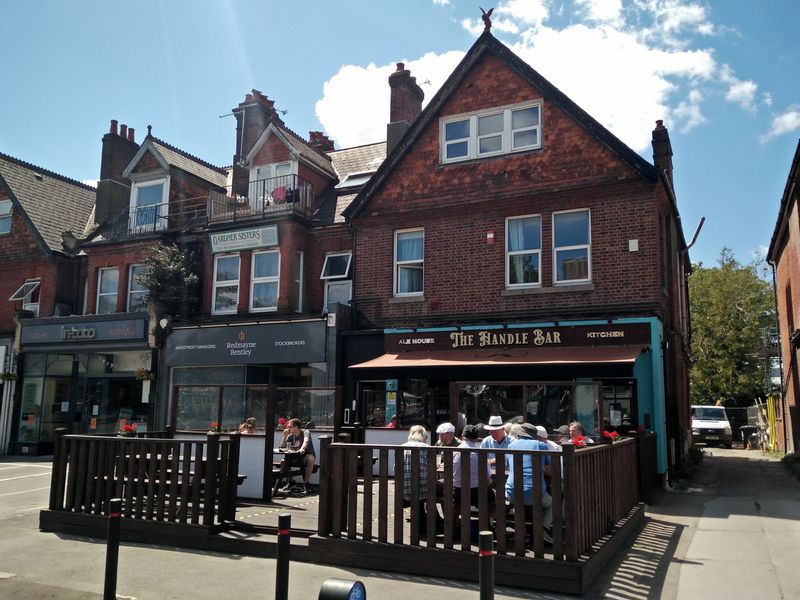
(710,425)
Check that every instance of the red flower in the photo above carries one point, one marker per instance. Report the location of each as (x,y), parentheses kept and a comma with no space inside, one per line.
(214,426)
(579,441)
(640,429)
(612,435)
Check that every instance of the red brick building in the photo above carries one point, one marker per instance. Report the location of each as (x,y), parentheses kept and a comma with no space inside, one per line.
(513,257)
(784,255)
(38,278)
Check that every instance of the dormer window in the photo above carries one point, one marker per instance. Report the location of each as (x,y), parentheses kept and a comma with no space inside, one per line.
(273,183)
(149,205)
(5,216)
(491,132)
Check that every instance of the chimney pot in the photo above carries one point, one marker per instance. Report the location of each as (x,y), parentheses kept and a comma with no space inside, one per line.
(130,134)
(123,130)
(659,124)
(401,67)
(113,127)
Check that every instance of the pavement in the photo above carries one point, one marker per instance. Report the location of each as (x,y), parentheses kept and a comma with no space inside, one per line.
(731,531)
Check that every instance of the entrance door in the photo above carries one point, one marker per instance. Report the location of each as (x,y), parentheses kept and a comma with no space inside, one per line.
(111,403)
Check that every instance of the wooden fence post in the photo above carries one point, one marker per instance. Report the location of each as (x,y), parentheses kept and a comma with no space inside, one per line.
(233,475)
(211,460)
(59,470)
(325,485)
(570,505)
(345,438)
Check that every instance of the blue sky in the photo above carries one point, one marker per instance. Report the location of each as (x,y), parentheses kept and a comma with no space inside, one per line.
(722,74)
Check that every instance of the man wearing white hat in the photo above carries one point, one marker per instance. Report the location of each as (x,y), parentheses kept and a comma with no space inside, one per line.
(497,437)
(543,437)
(447,435)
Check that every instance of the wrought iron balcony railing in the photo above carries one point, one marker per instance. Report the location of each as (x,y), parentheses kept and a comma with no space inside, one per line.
(264,197)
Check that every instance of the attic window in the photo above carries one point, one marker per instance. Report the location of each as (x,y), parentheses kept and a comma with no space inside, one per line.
(5,216)
(354,179)
(491,132)
(28,293)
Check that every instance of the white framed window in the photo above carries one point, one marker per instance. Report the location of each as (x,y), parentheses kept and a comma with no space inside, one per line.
(265,281)
(5,216)
(272,182)
(226,284)
(336,274)
(28,293)
(107,290)
(298,281)
(491,132)
(137,294)
(523,251)
(409,263)
(149,205)
(572,257)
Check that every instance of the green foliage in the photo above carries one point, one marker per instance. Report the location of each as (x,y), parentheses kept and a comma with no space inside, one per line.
(172,285)
(730,306)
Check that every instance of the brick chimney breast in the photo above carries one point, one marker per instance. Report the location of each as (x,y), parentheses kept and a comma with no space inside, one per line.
(123,131)
(320,142)
(405,104)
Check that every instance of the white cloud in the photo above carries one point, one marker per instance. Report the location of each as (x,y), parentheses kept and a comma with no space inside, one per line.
(354,108)
(91,182)
(689,113)
(441,2)
(786,122)
(627,63)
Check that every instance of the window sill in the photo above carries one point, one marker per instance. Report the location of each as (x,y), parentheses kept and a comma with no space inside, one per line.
(563,287)
(405,299)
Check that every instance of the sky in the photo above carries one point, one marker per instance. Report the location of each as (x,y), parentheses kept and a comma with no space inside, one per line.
(722,74)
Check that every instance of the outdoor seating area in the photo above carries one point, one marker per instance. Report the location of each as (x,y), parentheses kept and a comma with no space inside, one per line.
(184,492)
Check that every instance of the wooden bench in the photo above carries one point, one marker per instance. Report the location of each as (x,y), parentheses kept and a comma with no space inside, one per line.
(282,473)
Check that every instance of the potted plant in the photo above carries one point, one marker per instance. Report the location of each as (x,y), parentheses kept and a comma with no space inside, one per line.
(144,375)
(214,427)
(127,430)
(610,436)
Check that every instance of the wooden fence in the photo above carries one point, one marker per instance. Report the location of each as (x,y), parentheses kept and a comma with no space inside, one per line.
(594,494)
(188,482)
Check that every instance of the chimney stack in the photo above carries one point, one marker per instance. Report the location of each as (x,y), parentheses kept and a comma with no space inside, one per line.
(253,116)
(404,106)
(320,142)
(113,190)
(123,131)
(130,134)
(662,150)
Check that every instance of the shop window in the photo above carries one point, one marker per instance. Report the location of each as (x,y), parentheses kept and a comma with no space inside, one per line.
(618,409)
(107,289)
(28,293)
(265,285)
(572,246)
(137,294)
(523,251)
(409,262)
(336,274)
(314,407)
(373,400)
(5,216)
(149,206)
(31,410)
(226,284)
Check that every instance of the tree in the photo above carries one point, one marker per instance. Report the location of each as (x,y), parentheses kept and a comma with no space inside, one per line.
(173,287)
(731,306)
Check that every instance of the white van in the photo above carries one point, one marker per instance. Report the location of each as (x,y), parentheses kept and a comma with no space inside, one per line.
(710,425)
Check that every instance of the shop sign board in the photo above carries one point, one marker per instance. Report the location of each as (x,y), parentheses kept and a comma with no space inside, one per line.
(523,337)
(278,343)
(83,331)
(244,239)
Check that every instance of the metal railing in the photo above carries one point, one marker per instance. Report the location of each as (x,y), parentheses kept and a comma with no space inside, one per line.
(264,196)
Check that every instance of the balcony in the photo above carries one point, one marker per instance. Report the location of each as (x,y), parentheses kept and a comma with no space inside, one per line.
(287,193)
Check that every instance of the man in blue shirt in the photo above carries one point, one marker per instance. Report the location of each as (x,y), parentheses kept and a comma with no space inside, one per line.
(525,439)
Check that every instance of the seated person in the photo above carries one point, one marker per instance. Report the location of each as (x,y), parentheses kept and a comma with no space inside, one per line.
(298,443)
(576,429)
(469,439)
(249,426)
(447,435)
(525,438)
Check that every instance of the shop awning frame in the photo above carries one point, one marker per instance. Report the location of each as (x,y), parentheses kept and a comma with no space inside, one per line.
(571,355)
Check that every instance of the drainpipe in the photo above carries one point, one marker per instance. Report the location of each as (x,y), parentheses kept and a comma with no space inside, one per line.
(780,350)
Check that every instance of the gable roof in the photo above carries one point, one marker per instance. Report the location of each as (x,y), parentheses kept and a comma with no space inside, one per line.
(488,43)
(170,156)
(297,145)
(49,202)
(360,159)
(786,200)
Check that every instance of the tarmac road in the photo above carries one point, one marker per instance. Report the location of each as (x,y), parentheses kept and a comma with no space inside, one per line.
(733,532)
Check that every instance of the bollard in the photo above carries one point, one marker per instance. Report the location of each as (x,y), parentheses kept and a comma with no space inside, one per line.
(486,573)
(342,589)
(282,557)
(112,548)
